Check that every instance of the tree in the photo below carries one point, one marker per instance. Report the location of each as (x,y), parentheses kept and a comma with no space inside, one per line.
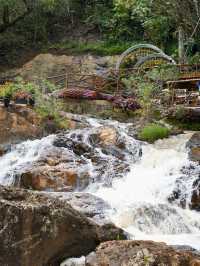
(161,20)
(13,11)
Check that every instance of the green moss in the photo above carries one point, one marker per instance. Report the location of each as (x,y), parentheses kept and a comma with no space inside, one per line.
(153,132)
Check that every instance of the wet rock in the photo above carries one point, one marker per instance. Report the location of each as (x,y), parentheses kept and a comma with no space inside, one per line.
(40,230)
(105,147)
(186,192)
(140,253)
(55,169)
(195,198)
(53,178)
(43,179)
(194,147)
(76,145)
(91,206)
(95,209)
(73,160)
(179,195)
(4,148)
(107,137)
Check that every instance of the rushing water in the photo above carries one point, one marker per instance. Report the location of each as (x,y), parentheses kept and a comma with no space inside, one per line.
(139,198)
(21,155)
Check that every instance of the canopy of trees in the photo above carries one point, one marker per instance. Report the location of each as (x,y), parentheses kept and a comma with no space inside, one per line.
(31,22)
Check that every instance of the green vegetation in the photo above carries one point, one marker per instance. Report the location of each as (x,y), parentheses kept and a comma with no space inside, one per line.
(46,106)
(49,109)
(101,26)
(98,48)
(190,125)
(153,132)
(146,91)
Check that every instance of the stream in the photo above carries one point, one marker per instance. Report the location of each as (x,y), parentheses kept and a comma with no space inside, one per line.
(140,199)
(138,195)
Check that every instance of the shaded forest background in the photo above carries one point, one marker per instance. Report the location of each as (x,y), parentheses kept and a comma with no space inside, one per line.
(98,26)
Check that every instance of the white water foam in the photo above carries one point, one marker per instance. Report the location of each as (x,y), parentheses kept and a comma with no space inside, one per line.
(140,199)
(20,155)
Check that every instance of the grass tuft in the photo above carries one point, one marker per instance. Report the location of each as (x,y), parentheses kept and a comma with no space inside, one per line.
(153,132)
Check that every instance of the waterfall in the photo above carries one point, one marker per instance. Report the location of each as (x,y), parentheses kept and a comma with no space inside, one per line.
(138,194)
(140,200)
(21,155)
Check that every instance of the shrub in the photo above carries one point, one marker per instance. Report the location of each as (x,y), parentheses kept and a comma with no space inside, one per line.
(48,107)
(153,132)
(6,90)
(45,106)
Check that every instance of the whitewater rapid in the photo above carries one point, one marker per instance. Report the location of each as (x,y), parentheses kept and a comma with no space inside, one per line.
(139,200)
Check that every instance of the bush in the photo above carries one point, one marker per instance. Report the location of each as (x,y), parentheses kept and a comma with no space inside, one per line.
(153,132)
(45,106)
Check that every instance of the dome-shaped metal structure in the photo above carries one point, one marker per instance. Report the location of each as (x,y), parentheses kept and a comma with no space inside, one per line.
(152,60)
(139,54)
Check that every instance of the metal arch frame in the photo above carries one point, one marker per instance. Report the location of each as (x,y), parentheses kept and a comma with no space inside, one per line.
(154,49)
(154,56)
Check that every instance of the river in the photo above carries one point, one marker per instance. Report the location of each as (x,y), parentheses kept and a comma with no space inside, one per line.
(140,197)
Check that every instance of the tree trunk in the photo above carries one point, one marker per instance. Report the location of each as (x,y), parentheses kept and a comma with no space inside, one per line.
(181,50)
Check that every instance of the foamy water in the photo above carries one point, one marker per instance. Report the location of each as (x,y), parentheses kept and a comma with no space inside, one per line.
(140,199)
(20,155)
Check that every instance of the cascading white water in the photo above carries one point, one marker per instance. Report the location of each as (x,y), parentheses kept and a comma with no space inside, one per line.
(140,199)
(19,156)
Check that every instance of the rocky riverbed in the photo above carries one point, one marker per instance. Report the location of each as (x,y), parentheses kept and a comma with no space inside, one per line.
(76,196)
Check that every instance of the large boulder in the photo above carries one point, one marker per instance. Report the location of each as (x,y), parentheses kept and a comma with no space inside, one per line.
(56,169)
(53,178)
(140,253)
(41,230)
(76,159)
